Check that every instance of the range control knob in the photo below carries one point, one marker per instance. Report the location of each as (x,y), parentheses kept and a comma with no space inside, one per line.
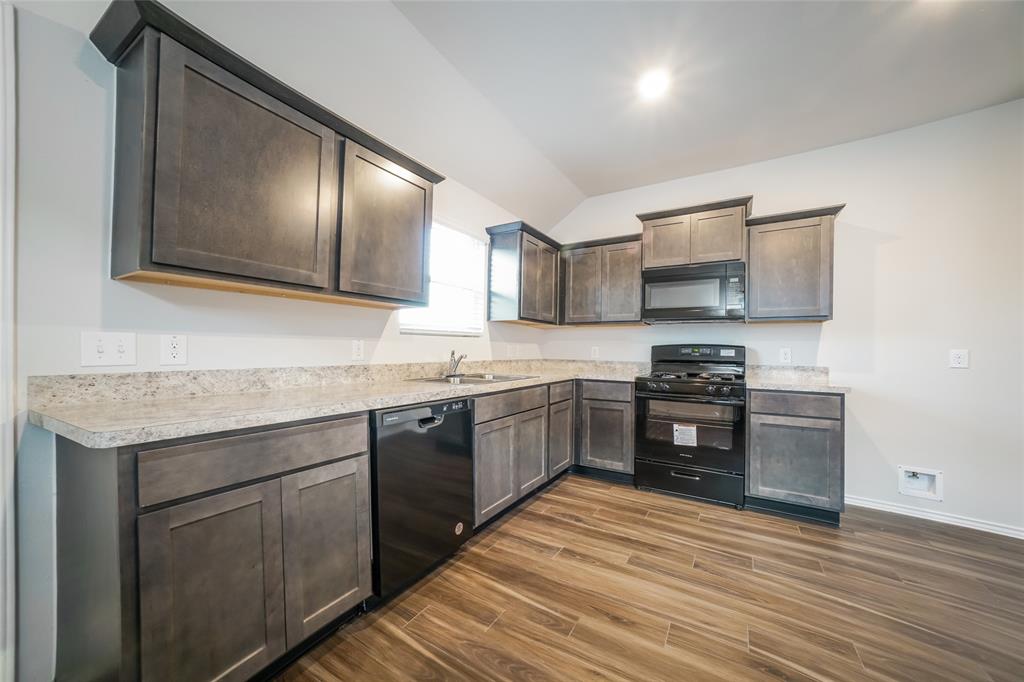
(664,387)
(710,390)
(651,386)
(725,390)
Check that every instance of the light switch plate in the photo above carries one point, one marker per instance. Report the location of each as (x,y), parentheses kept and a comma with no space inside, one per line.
(357,349)
(173,349)
(786,356)
(107,349)
(959,358)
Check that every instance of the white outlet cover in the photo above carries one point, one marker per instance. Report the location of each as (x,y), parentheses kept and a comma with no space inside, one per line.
(108,349)
(595,352)
(357,349)
(959,358)
(173,349)
(786,356)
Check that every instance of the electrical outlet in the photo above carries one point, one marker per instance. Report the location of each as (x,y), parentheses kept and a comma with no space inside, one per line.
(786,356)
(959,358)
(357,349)
(105,349)
(595,352)
(173,349)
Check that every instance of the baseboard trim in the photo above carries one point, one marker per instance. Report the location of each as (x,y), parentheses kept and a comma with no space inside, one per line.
(941,517)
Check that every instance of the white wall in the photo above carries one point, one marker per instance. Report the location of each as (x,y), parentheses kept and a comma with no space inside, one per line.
(928,258)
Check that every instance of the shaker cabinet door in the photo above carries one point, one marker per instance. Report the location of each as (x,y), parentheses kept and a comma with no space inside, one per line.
(666,242)
(385,228)
(531,450)
(797,460)
(494,466)
(547,284)
(211,586)
(583,285)
(790,270)
(560,437)
(717,235)
(620,282)
(529,278)
(606,441)
(243,184)
(326,516)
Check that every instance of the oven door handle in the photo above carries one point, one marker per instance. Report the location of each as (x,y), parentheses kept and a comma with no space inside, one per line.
(694,399)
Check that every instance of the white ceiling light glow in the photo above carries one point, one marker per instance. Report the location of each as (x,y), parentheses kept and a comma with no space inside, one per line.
(653,84)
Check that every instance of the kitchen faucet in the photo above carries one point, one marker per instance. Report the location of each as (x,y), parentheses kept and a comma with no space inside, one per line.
(453,363)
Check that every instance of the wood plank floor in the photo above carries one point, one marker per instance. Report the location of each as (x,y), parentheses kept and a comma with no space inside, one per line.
(592,580)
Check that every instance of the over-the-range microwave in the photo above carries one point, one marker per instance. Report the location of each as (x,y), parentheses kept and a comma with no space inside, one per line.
(688,293)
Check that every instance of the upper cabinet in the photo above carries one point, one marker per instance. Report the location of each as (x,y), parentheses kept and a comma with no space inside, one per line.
(523,275)
(790,268)
(602,282)
(706,233)
(385,228)
(226,178)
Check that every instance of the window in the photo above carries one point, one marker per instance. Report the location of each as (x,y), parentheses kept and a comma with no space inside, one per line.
(457,287)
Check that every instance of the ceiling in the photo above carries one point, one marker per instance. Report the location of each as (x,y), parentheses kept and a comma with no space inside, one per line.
(751,80)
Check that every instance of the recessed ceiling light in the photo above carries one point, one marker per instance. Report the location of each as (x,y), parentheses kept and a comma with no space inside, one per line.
(653,84)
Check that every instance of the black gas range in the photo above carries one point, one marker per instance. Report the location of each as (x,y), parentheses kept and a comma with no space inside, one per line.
(691,423)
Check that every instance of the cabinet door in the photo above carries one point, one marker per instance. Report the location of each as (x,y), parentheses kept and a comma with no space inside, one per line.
(790,273)
(385,228)
(326,517)
(620,282)
(583,285)
(529,287)
(607,435)
(560,437)
(547,284)
(717,235)
(666,241)
(531,450)
(211,587)
(797,460)
(494,473)
(244,185)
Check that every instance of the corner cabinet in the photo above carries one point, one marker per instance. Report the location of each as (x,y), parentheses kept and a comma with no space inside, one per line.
(209,559)
(790,268)
(706,233)
(795,453)
(221,184)
(602,282)
(523,271)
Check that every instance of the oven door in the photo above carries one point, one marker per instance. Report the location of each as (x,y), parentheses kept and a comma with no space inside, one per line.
(691,431)
(694,292)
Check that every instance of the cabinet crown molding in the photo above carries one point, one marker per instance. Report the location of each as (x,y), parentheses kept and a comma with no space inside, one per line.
(747,201)
(796,215)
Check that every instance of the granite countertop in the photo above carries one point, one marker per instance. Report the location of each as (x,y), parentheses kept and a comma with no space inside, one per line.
(116,423)
(113,410)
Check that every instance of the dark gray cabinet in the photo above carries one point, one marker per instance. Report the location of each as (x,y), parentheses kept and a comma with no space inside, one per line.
(561,436)
(510,448)
(523,275)
(606,426)
(602,282)
(705,233)
(790,266)
(220,184)
(795,449)
(243,184)
(211,586)
(385,228)
(326,530)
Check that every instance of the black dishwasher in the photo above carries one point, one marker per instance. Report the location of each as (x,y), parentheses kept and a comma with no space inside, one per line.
(422,468)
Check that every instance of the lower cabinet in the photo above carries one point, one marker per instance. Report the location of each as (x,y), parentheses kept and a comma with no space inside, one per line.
(561,432)
(211,586)
(795,449)
(606,427)
(510,453)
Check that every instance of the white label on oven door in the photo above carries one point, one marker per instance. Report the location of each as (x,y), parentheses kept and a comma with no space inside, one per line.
(684,434)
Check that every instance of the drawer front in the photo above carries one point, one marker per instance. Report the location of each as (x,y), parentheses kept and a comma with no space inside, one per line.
(687,481)
(558,392)
(797,404)
(170,473)
(501,405)
(607,390)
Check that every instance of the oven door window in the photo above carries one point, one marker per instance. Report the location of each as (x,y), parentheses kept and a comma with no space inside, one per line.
(713,424)
(683,294)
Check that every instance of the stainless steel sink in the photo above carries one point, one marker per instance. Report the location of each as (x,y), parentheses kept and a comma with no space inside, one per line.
(474,378)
